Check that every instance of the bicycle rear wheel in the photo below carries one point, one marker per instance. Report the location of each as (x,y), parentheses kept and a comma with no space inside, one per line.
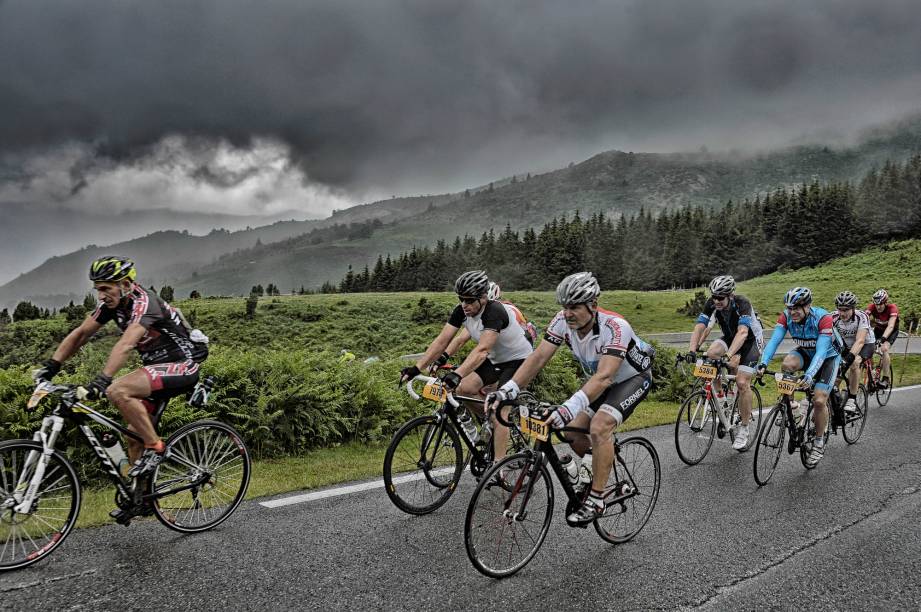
(695,428)
(770,444)
(856,421)
(29,537)
(637,466)
(508,516)
(202,478)
(884,393)
(423,465)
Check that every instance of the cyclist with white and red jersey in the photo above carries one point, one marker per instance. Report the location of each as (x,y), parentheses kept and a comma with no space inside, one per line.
(617,364)
(859,342)
(170,351)
(884,316)
(501,345)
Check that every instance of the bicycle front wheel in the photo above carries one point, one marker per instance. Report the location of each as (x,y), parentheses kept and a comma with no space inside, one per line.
(423,465)
(695,428)
(884,393)
(770,444)
(855,421)
(203,477)
(30,536)
(508,516)
(631,491)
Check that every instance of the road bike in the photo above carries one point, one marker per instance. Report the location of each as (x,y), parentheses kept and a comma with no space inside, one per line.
(427,455)
(510,512)
(201,480)
(799,432)
(872,375)
(711,410)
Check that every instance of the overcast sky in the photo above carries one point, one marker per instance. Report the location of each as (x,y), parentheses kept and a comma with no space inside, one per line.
(263,106)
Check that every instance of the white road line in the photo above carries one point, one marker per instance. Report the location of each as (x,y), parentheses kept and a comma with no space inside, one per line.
(365,486)
(379,484)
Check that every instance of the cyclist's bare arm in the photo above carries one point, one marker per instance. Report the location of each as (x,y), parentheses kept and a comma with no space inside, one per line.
(478,355)
(697,337)
(75,339)
(738,340)
(891,326)
(601,379)
(437,347)
(534,364)
(123,349)
(459,340)
(859,341)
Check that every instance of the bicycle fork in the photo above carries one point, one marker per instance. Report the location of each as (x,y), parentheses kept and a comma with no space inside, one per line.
(26,487)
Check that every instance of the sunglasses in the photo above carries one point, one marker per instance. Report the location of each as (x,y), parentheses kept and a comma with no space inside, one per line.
(468,300)
(720,298)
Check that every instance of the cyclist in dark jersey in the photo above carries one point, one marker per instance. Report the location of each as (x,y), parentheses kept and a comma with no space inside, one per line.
(884,316)
(170,352)
(742,341)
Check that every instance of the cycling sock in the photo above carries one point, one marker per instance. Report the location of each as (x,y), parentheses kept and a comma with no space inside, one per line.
(596,498)
(158,446)
(851,395)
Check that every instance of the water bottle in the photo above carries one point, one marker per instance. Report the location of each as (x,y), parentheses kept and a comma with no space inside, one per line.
(572,468)
(116,453)
(469,426)
(585,470)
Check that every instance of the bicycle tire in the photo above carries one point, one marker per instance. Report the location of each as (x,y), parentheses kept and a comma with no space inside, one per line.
(496,524)
(884,393)
(418,485)
(770,444)
(810,434)
(22,532)
(854,424)
(209,452)
(639,466)
(695,428)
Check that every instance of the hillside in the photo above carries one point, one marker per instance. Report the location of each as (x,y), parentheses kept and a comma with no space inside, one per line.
(613,182)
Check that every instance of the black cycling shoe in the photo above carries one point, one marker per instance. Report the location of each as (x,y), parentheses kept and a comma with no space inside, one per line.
(123,517)
(146,464)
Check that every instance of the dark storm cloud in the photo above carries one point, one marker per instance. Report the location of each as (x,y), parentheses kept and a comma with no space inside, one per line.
(390,94)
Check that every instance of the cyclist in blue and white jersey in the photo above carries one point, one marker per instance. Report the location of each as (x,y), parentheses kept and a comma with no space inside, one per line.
(741,343)
(618,366)
(817,354)
(859,342)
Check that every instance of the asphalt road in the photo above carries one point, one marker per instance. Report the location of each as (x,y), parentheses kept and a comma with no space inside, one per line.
(842,536)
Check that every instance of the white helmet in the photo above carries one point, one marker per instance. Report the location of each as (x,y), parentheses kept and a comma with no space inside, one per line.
(578,288)
(473,283)
(494,292)
(722,286)
(880,296)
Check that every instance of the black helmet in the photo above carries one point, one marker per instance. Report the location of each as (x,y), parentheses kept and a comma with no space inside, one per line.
(846,299)
(471,284)
(111,269)
(578,288)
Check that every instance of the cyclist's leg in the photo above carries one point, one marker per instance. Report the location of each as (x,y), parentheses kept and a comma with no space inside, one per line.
(579,442)
(746,361)
(717,348)
(823,384)
(886,359)
(853,373)
(127,394)
(618,404)
(503,373)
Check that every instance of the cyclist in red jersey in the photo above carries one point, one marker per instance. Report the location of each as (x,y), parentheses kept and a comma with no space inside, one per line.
(884,316)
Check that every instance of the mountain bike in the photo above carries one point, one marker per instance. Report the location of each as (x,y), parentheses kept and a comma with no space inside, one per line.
(711,410)
(782,424)
(201,480)
(426,457)
(872,375)
(509,514)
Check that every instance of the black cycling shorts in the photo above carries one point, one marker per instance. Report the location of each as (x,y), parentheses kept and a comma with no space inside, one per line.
(825,377)
(499,373)
(892,336)
(619,400)
(749,353)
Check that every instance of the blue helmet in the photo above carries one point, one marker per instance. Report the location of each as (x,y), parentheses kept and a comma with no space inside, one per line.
(798,296)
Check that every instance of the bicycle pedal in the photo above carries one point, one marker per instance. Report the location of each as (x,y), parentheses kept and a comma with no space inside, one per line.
(121,517)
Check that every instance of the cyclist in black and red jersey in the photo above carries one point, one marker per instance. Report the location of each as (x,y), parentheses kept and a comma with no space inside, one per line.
(884,316)
(170,353)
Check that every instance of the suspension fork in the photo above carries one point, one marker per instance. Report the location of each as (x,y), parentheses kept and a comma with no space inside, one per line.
(27,487)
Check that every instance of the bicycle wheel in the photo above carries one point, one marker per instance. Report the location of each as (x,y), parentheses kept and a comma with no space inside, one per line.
(884,393)
(754,422)
(856,421)
(810,435)
(694,428)
(423,465)
(508,516)
(770,444)
(26,538)
(202,478)
(636,465)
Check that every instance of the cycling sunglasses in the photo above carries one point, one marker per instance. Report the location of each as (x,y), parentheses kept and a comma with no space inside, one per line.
(467,299)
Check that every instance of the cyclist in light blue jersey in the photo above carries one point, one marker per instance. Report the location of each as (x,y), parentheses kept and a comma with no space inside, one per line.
(818,353)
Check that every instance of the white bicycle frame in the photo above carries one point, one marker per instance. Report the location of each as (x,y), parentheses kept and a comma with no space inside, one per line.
(26,490)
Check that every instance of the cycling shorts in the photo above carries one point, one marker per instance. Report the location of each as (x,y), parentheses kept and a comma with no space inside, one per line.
(825,377)
(619,400)
(169,377)
(892,336)
(749,353)
(499,373)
